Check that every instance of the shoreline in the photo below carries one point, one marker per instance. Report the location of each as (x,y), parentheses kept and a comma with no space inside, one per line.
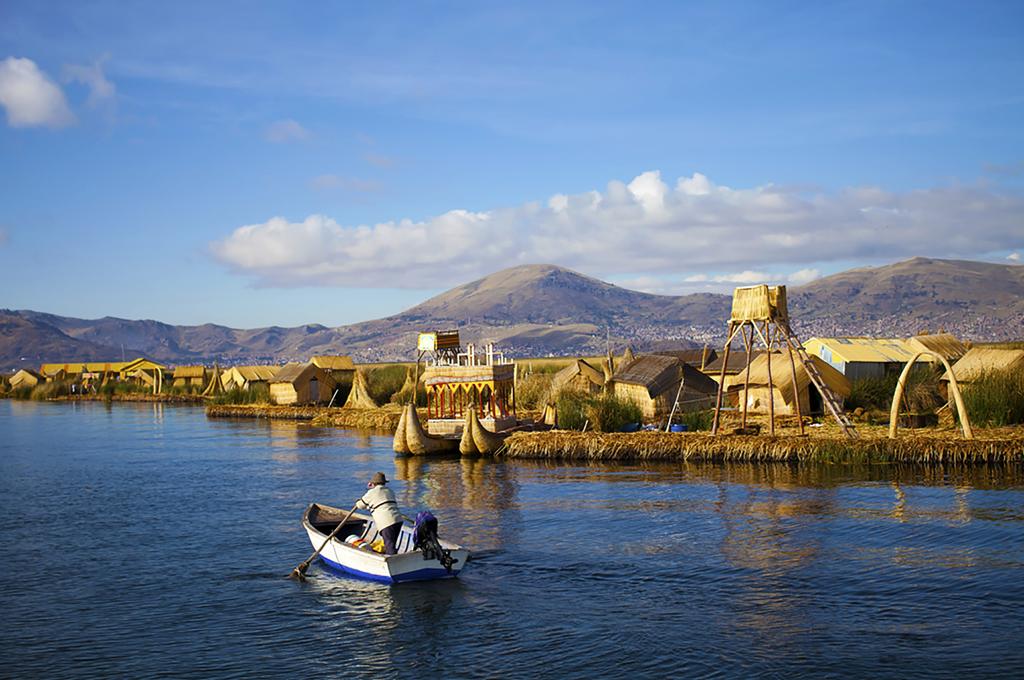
(384,418)
(943,445)
(193,399)
(1003,445)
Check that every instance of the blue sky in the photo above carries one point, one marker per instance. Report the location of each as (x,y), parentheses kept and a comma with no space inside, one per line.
(256,164)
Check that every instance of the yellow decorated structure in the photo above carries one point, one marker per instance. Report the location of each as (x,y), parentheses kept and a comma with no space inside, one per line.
(468,380)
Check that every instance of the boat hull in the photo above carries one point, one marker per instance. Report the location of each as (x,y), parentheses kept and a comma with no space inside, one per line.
(344,558)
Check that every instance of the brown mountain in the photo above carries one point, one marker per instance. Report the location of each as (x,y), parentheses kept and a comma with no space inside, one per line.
(978,300)
(540,309)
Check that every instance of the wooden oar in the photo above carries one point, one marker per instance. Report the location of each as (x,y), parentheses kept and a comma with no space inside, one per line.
(299,572)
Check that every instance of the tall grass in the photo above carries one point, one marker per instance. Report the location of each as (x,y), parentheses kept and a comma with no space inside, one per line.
(382,382)
(258,394)
(50,390)
(921,394)
(604,412)
(403,395)
(609,413)
(23,392)
(571,409)
(995,398)
(531,391)
(696,421)
(115,387)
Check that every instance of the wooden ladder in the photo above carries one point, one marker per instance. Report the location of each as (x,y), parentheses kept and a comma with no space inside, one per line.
(827,395)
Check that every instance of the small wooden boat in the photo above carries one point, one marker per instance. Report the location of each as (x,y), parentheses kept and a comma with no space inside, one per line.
(349,551)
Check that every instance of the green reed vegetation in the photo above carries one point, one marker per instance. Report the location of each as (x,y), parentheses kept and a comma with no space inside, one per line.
(382,382)
(696,421)
(257,394)
(922,393)
(603,412)
(995,398)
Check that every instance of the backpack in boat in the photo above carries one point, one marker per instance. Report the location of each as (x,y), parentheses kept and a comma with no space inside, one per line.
(424,538)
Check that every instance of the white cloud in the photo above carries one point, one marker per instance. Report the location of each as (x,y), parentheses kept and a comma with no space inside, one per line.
(283,131)
(92,76)
(1013,256)
(640,226)
(30,97)
(804,276)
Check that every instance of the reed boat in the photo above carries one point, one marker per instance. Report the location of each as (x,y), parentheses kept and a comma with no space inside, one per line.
(350,552)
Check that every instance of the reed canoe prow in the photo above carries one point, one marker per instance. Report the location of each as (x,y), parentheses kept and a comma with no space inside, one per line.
(400,445)
(477,439)
(417,441)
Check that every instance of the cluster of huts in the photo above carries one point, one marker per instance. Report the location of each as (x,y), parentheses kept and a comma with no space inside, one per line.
(659,382)
(688,380)
(312,382)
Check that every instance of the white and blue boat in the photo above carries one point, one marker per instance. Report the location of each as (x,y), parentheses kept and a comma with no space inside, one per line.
(350,551)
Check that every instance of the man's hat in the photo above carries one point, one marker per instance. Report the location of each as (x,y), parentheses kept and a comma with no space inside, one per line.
(379,478)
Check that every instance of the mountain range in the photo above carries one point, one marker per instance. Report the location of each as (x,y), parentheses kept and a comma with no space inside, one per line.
(537,310)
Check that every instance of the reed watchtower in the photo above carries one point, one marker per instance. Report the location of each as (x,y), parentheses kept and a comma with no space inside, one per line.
(762,311)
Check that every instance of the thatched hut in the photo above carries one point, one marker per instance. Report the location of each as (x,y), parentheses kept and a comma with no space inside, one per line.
(652,382)
(781,387)
(579,376)
(945,345)
(337,366)
(25,378)
(737,362)
(698,358)
(301,384)
(981,360)
(189,376)
(247,377)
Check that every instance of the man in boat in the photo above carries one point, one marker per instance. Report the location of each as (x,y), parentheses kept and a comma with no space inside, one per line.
(380,501)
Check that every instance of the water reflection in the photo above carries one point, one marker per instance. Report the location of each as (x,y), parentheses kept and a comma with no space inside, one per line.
(484,491)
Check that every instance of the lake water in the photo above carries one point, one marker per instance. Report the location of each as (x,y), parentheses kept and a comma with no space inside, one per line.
(146,540)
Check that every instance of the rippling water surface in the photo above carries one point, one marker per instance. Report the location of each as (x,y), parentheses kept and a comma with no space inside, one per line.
(139,540)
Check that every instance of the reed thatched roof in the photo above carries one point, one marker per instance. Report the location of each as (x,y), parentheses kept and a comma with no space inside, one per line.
(190,372)
(659,374)
(333,363)
(979,360)
(737,362)
(945,345)
(782,375)
(578,367)
(694,357)
(289,373)
(256,373)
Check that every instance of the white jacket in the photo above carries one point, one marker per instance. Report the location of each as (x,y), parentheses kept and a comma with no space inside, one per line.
(380,500)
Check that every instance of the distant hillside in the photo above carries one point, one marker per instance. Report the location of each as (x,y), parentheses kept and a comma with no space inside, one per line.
(977,300)
(535,310)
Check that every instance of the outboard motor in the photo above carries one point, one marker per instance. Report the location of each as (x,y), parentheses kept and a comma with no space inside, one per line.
(424,538)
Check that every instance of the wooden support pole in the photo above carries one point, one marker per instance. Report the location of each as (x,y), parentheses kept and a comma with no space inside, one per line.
(796,391)
(771,383)
(748,341)
(721,380)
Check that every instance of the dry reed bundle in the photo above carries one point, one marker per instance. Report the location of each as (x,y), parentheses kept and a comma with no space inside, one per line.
(263,411)
(383,419)
(359,397)
(678,446)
